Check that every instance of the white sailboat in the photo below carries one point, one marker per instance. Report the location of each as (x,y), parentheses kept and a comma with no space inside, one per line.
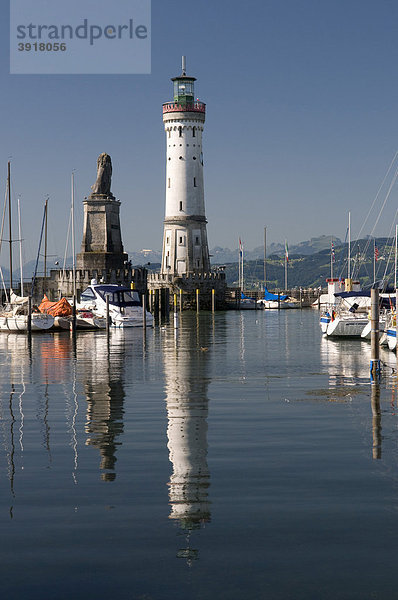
(245,303)
(14,315)
(341,320)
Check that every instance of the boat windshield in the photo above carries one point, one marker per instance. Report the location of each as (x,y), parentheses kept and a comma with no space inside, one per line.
(122,297)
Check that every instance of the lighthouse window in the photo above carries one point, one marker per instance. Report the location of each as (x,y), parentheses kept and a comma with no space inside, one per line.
(180,205)
(180,240)
(167,240)
(194,132)
(194,182)
(180,131)
(169,183)
(194,157)
(197,240)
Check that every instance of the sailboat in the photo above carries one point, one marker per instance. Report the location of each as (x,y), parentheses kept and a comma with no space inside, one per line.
(342,320)
(275,301)
(246,303)
(14,316)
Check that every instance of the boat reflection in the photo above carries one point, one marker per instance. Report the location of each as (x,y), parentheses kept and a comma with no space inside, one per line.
(186,354)
(348,361)
(101,379)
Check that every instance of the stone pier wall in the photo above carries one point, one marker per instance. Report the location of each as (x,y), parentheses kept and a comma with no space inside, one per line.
(60,283)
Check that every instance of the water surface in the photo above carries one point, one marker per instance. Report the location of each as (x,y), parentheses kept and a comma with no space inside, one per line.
(240,455)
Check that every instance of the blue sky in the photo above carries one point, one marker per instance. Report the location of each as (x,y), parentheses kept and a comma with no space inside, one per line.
(301,122)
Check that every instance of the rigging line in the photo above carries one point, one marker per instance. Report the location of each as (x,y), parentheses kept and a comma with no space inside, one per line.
(382,207)
(378,192)
(67,244)
(1,240)
(391,240)
(385,199)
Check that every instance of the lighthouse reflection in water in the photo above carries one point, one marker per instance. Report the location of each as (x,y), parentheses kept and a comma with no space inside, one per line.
(186,362)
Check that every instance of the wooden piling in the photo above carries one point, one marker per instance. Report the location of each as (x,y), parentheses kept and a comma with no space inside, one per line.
(74,314)
(29,315)
(374,335)
(107,314)
(376,421)
(144,310)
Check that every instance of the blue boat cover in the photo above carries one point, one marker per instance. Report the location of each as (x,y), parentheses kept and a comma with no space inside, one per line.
(243,297)
(270,296)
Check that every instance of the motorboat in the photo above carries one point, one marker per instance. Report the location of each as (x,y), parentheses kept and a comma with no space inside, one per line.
(345,324)
(125,308)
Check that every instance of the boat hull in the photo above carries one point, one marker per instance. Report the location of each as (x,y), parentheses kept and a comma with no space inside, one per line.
(392,339)
(346,327)
(39,322)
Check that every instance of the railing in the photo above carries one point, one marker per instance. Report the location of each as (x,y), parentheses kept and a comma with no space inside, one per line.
(178,107)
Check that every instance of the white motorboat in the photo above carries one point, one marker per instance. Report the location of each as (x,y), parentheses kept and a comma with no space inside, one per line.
(346,324)
(125,308)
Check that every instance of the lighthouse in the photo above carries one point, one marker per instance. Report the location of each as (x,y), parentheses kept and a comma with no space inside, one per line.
(185,248)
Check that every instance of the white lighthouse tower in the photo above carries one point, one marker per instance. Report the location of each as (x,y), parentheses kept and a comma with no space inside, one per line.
(185,247)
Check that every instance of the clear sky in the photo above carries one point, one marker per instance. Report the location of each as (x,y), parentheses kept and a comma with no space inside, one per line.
(301,122)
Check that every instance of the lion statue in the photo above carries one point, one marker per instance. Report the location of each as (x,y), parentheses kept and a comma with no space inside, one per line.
(104,175)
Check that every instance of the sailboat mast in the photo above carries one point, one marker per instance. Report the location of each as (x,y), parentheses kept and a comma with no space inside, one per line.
(20,245)
(286,261)
(374,260)
(265,258)
(331,258)
(239,278)
(9,218)
(242,269)
(45,237)
(349,245)
(73,235)
(396,255)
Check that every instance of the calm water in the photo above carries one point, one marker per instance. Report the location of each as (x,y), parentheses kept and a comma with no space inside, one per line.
(237,457)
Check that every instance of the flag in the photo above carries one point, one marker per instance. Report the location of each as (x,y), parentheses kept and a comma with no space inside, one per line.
(332,252)
(286,252)
(240,248)
(376,254)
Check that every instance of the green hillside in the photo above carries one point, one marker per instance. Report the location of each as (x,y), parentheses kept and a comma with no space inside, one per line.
(312,271)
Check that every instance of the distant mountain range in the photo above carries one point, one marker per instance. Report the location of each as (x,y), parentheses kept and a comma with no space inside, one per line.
(225,255)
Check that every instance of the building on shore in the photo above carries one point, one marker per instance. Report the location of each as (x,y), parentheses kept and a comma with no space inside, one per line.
(185,254)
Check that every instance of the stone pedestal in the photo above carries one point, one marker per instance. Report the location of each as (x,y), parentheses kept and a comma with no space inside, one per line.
(102,246)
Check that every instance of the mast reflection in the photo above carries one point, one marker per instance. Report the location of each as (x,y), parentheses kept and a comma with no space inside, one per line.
(104,391)
(186,366)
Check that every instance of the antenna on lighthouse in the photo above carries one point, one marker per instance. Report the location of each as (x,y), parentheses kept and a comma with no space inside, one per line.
(183,65)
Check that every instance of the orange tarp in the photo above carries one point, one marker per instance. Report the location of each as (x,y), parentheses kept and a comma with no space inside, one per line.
(62,308)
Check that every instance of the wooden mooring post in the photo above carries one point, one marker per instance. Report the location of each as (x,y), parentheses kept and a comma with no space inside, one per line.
(144,311)
(374,335)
